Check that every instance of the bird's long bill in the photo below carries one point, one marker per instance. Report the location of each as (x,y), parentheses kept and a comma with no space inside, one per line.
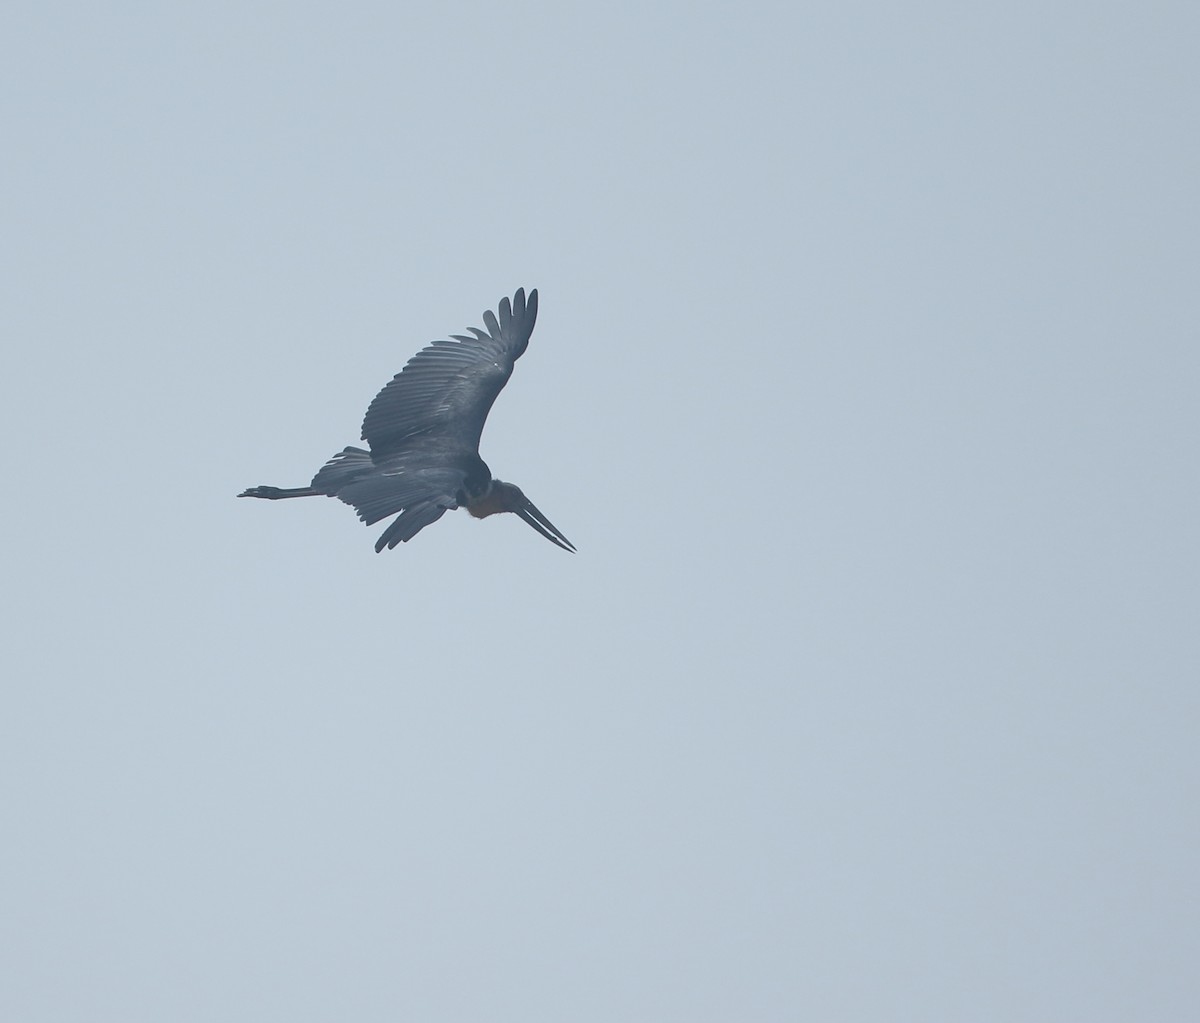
(543,525)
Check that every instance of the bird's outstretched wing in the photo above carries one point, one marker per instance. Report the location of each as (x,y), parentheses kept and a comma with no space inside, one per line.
(448,387)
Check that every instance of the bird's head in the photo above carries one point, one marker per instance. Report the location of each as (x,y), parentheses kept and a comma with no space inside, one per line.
(508,497)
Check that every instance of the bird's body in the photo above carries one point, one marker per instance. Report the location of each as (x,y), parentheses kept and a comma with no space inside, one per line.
(423,433)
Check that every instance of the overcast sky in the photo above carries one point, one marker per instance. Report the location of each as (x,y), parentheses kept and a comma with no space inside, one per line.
(865,382)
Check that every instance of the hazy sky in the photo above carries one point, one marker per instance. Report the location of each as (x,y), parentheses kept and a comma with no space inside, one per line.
(865,381)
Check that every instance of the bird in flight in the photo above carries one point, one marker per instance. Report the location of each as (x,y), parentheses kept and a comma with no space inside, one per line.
(423,432)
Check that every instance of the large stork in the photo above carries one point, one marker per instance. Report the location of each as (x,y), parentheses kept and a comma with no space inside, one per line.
(423,432)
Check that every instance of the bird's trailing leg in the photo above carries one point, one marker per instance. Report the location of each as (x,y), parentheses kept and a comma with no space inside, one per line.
(279,493)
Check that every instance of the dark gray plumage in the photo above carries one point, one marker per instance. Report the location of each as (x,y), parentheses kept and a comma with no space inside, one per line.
(423,431)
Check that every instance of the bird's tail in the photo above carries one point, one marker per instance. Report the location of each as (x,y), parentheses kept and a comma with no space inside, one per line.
(348,466)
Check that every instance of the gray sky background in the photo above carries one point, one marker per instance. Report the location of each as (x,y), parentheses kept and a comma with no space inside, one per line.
(865,382)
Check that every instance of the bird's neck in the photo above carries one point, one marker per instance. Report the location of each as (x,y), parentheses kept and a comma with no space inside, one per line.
(489,502)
